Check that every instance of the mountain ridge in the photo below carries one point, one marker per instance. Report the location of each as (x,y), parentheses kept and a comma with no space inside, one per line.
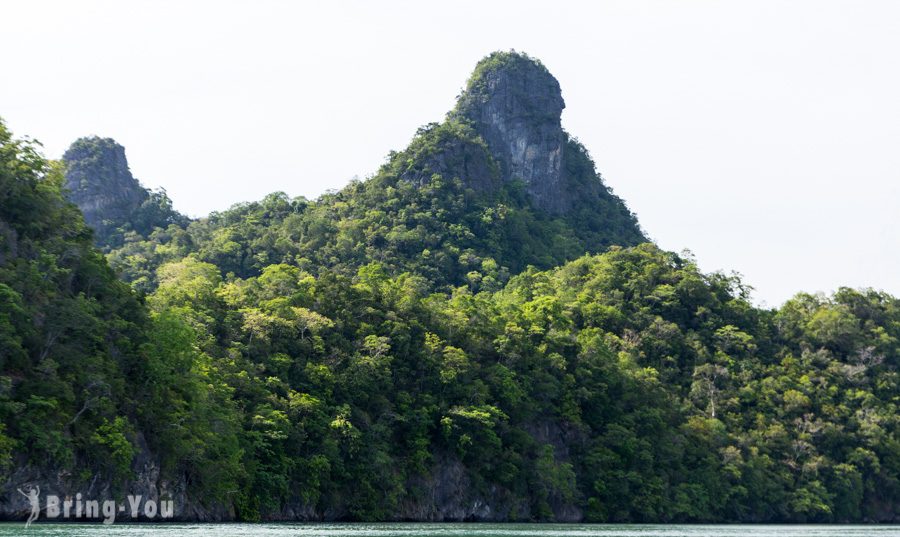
(498,181)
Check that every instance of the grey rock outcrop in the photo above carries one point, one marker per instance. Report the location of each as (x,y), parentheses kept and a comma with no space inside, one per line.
(100,183)
(515,104)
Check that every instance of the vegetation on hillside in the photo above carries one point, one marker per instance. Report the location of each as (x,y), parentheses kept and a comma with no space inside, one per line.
(416,215)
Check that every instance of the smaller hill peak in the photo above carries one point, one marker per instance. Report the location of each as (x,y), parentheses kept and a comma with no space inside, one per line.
(100,183)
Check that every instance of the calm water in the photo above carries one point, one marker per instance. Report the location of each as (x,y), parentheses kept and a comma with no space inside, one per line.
(442,530)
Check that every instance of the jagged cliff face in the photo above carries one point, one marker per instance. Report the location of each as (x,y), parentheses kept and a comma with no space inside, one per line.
(100,183)
(515,104)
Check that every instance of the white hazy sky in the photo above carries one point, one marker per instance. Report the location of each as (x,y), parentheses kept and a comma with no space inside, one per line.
(762,135)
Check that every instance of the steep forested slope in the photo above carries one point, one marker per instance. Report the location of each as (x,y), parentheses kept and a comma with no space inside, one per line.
(92,387)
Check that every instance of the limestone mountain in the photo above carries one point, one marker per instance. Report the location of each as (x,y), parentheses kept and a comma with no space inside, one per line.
(513,105)
(113,202)
(386,353)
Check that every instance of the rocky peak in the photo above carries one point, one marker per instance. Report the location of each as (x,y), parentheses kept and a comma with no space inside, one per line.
(514,104)
(100,182)
(113,201)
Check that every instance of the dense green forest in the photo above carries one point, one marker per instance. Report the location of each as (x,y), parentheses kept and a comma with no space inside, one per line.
(431,344)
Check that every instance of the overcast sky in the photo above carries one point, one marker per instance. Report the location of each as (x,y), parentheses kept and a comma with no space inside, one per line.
(763,136)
